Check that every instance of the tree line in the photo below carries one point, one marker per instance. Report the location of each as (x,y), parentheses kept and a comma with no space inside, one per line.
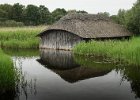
(20,15)
(30,14)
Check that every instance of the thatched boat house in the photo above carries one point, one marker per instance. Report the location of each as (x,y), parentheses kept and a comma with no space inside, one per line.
(74,28)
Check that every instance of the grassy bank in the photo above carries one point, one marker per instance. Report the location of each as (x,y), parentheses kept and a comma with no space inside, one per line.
(20,37)
(126,51)
(7,73)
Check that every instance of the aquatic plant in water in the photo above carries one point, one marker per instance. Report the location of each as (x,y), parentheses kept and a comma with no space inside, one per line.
(125,51)
(12,79)
(7,74)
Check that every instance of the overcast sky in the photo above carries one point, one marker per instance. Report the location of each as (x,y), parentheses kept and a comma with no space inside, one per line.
(91,6)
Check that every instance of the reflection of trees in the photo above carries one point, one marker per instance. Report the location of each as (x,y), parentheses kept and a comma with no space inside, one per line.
(132,74)
(72,69)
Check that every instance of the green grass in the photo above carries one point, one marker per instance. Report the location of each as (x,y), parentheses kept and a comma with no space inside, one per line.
(126,51)
(20,37)
(12,79)
(7,73)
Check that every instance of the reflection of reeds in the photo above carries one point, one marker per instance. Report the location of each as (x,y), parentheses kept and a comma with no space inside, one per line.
(128,51)
(18,37)
(22,52)
(24,86)
(96,63)
(12,80)
(132,74)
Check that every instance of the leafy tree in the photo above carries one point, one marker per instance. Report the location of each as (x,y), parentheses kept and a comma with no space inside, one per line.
(130,18)
(134,18)
(7,9)
(17,12)
(58,13)
(115,18)
(121,15)
(44,15)
(2,15)
(106,14)
(32,15)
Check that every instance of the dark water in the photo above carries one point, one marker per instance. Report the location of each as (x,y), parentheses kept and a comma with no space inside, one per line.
(59,75)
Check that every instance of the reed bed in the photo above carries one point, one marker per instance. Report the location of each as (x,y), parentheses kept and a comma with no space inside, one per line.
(127,51)
(20,37)
(12,79)
(7,73)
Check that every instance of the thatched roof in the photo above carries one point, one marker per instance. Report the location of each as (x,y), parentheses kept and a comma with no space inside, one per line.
(80,73)
(89,26)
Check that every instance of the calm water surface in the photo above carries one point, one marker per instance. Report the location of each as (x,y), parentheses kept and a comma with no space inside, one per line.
(59,75)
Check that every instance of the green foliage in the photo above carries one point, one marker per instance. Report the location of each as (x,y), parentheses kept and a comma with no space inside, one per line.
(120,18)
(7,9)
(115,18)
(121,15)
(106,14)
(2,14)
(125,51)
(134,19)
(129,18)
(32,15)
(11,23)
(7,73)
(45,15)
(17,12)
(58,13)
(18,37)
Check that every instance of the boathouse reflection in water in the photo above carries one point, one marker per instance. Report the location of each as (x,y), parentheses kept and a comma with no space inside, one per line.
(63,63)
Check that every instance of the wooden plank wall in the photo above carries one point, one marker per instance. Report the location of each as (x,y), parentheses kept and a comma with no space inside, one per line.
(59,40)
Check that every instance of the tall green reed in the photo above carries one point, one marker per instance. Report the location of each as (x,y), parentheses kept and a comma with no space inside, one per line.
(126,50)
(20,37)
(7,73)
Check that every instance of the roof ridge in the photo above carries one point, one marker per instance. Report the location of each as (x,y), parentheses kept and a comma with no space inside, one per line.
(83,16)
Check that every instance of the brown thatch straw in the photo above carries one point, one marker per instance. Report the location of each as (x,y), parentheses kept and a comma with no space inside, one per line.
(89,26)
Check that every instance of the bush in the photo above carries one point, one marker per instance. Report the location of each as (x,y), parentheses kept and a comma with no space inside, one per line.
(11,23)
